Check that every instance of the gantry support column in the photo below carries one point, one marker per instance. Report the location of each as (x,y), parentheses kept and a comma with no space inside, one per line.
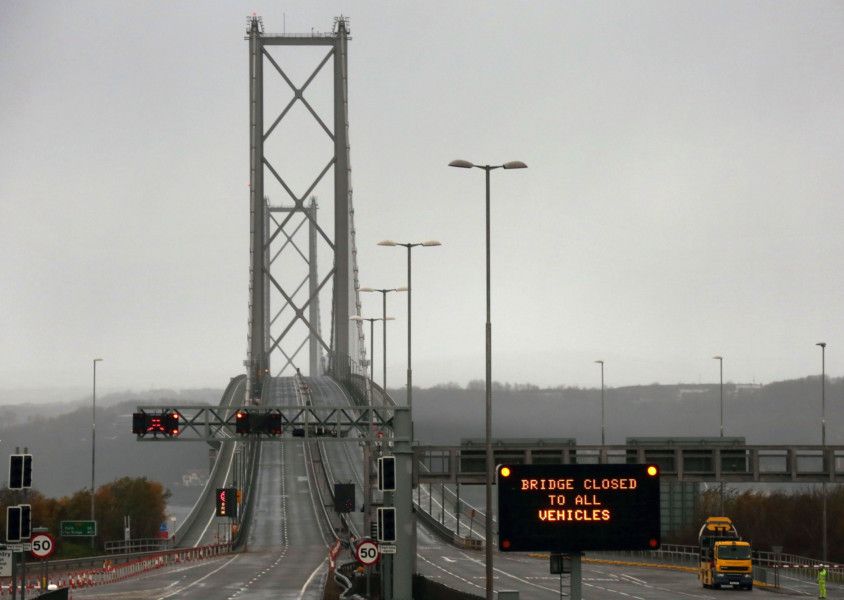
(257,358)
(341,207)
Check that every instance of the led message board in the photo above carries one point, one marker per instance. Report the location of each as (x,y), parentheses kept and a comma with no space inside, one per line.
(571,508)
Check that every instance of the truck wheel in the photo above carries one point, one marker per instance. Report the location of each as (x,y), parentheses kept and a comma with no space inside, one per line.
(716,586)
(749,588)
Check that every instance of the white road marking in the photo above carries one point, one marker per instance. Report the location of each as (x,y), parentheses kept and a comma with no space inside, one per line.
(308,582)
(203,578)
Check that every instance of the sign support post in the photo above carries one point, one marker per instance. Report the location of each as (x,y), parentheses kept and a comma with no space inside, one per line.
(14,577)
(403,500)
(23,574)
(576,579)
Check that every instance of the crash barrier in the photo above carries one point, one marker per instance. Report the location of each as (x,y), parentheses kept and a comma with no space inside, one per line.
(112,571)
(332,555)
(219,464)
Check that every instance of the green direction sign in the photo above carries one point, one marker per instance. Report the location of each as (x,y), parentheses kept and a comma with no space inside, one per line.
(78,529)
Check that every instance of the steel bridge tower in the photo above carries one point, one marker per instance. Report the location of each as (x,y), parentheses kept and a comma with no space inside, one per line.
(278,220)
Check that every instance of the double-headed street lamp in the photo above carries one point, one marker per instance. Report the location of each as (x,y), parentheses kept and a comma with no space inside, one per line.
(603,412)
(93,439)
(465,164)
(823,444)
(410,246)
(384,292)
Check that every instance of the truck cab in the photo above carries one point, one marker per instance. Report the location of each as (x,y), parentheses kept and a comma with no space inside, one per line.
(725,559)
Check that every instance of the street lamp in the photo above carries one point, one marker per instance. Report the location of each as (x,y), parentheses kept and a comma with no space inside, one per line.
(367,495)
(384,292)
(720,360)
(465,164)
(823,444)
(603,419)
(93,440)
(410,246)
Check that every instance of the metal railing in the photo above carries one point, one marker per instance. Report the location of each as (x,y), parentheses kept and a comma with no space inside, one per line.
(138,545)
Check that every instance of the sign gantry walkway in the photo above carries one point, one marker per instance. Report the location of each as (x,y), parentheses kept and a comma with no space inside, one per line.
(690,461)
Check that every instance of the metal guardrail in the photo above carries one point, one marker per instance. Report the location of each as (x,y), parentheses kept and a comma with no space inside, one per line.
(138,545)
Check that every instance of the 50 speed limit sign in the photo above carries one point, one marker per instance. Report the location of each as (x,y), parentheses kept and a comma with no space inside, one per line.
(367,553)
(43,545)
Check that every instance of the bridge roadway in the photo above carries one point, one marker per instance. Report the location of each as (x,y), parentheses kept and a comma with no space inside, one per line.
(287,545)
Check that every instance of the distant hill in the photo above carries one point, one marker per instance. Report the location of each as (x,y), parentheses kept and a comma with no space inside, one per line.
(785,412)
(59,438)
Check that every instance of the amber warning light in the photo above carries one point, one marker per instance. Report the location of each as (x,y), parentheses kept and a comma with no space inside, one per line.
(572,508)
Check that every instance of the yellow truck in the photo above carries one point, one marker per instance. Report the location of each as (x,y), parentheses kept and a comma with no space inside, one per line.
(725,559)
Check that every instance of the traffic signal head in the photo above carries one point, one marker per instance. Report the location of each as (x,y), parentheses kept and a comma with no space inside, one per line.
(387,524)
(272,423)
(344,497)
(26,521)
(387,474)
(242,422)
(20,471)
(13,523)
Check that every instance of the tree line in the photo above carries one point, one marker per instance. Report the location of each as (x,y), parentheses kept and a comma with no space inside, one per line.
(769,519)
(144,501)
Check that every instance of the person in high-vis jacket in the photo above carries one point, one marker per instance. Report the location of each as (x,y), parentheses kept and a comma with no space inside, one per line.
(822,574)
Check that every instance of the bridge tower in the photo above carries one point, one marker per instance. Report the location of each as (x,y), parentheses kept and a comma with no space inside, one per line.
(276,221)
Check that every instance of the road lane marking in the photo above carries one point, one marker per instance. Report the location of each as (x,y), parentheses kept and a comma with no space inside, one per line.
(203,578)
(635,579)
(308,582)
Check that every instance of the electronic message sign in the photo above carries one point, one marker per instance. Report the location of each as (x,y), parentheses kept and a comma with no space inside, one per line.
(571,508)
(227,502)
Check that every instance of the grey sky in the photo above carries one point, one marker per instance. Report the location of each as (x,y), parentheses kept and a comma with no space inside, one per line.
(684,195)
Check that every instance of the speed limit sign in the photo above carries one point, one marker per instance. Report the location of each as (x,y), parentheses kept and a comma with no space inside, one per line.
(43,545)
(367,553)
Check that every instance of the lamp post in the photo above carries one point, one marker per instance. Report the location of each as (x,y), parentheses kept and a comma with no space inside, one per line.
(384,292)
(367,461)
(823,445)
(465,164)
(720,360)
(410,246)
(93,440)
(603,413)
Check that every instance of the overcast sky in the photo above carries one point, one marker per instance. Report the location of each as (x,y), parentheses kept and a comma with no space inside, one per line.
(684,196)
